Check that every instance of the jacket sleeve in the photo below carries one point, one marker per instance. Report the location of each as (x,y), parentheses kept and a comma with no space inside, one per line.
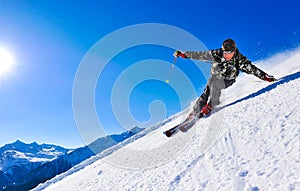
(200,55)
(246,66)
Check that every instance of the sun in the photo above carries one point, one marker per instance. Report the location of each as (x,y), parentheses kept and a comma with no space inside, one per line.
(6,61)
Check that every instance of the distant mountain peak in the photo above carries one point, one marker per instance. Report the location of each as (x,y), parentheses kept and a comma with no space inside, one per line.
(136,129)
(34,144)
(18,142)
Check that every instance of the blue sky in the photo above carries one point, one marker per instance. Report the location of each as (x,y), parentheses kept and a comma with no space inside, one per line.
(48,40)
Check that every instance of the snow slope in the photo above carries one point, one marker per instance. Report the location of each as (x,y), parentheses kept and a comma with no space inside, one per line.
(251,144)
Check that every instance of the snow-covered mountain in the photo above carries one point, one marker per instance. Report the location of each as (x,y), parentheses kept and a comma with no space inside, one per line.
(24,166)
(18,158)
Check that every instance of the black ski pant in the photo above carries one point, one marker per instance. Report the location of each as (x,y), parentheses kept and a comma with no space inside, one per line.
(212,93)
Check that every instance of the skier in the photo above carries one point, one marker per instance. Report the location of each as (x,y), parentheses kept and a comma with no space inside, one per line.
(227,62)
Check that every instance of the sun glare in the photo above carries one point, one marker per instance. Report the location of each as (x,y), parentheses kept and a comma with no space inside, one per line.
(6,61)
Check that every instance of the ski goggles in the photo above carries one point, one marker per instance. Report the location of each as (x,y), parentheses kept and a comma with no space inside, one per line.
(227,51)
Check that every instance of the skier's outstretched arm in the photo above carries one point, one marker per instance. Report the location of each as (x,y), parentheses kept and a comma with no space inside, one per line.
(195,55)
(249,68)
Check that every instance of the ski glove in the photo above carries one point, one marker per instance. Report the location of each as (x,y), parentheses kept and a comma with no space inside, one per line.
(179,53)
(269,78)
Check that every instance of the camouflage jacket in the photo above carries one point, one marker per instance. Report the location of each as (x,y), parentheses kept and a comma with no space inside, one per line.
(228,70)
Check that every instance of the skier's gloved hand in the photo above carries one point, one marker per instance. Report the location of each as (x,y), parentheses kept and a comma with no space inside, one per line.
(179,53)
(269,78)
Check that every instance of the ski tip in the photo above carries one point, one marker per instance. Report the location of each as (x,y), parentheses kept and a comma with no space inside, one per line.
(168,134)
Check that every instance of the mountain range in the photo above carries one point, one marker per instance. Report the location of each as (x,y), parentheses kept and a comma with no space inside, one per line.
(24,166)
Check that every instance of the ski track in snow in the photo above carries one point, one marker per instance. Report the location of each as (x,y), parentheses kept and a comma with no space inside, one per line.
(251,144)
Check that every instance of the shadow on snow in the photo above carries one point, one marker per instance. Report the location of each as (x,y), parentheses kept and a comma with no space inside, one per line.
(280,81)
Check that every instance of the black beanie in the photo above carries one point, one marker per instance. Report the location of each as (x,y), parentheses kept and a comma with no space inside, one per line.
(229,45)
